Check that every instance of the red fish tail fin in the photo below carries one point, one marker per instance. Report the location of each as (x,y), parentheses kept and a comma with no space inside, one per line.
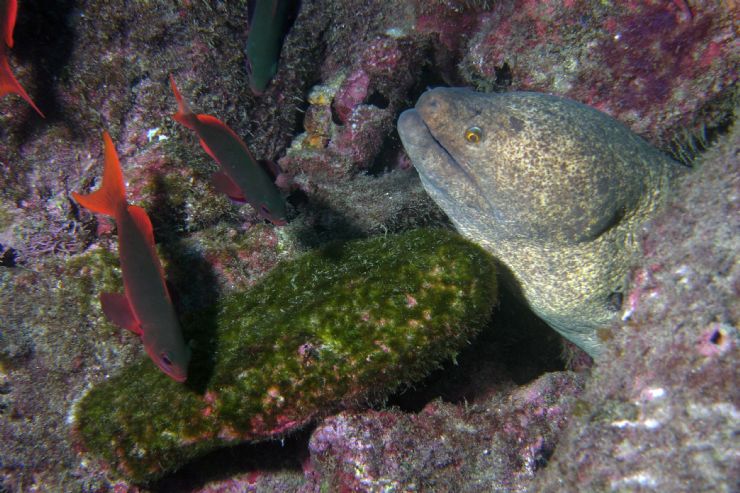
(9,84)
(184,114)
(8,22)
(112,193)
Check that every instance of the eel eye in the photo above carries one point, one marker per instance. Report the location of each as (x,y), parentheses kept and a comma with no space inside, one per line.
(165,359)
(473,135)
(265,210)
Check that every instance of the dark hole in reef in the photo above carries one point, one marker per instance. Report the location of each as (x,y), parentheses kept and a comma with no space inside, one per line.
(386,159)
(8,256)
(138,79)
(334,116)
(716,337)
(542,457)
(300,109)
(297,198)
(392,146)
(430,77)
(327,224)
(504,76)
(378,99)
(614,301)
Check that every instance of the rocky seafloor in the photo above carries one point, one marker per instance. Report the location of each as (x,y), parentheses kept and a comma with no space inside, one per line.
(514,411)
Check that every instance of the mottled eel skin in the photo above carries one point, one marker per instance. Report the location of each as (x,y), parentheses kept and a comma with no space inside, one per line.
(555,189)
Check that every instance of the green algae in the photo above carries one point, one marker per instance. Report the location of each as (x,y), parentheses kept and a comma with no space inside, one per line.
(84,276)
(340,325)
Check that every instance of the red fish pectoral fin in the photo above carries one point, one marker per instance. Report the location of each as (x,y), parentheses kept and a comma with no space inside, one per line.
(118,310)
(224,184)
(208,150)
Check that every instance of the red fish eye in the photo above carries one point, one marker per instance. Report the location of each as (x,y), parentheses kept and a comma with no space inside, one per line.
(165,359)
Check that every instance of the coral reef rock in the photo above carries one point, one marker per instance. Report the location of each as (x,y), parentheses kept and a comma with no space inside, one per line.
(495,445)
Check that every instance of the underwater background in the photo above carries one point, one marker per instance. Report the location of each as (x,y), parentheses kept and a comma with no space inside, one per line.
(434,378)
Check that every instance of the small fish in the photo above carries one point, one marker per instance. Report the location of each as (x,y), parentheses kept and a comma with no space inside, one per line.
(241,178)
(8,83)
(145,308)
(267,27)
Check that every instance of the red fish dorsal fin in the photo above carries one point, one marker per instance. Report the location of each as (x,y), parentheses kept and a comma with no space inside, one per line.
(184,114)
(212,121)
(144,225)
(112,193)
(225,130)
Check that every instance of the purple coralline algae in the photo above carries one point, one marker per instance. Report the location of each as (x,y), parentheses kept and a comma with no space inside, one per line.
(660,67)
(498,444)
(349,118)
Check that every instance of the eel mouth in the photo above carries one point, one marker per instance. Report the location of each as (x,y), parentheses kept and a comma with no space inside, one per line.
(431,159)
(437,168)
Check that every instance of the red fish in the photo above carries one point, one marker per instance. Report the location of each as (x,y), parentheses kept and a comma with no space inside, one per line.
(145,308)
(8,83)
(241,177)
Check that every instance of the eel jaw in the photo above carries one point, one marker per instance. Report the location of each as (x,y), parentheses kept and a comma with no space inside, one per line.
(437,168)
(443,177)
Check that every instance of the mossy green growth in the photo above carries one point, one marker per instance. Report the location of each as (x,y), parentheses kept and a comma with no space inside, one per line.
(345,323)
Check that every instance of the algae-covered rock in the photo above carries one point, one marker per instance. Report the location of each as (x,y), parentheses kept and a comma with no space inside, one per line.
(345,323)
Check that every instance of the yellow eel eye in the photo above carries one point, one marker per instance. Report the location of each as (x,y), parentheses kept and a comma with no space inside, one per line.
(473,135)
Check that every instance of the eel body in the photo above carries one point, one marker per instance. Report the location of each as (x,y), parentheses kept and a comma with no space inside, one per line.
(557,191)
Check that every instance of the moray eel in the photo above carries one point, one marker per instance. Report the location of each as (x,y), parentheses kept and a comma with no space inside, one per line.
(556,190)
